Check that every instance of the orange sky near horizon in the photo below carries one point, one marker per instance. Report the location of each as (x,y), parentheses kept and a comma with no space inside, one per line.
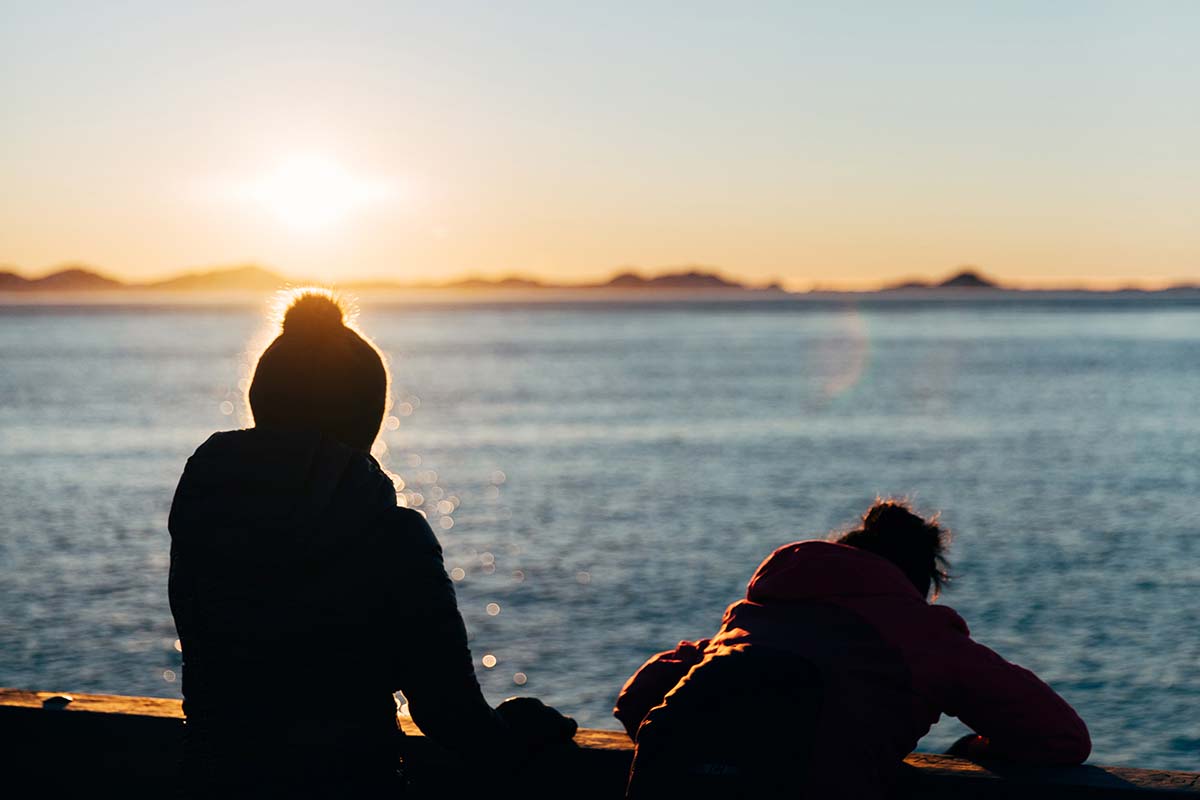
(847,148)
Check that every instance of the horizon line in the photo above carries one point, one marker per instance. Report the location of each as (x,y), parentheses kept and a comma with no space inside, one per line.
(775,282)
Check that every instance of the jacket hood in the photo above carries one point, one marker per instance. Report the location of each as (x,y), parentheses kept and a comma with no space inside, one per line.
(816,570)
(276,494)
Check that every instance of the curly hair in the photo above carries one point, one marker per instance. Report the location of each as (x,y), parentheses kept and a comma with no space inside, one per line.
(890,528)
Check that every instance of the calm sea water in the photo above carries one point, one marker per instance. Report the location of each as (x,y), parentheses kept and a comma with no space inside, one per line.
(610,476)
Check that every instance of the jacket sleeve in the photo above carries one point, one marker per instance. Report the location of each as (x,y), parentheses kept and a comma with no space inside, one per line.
(433,665)
(653,680)
(180,588)
(1019,715)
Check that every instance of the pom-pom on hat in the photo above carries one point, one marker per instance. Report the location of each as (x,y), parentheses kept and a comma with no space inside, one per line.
(313,313)
(321,375)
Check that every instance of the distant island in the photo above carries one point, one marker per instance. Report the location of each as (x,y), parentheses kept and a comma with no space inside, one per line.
(689,280)
(966,279)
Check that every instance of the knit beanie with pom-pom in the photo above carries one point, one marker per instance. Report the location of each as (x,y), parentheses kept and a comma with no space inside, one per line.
(320,375)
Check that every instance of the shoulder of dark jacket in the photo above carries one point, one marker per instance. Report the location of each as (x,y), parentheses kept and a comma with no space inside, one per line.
(950,618)
(408,532)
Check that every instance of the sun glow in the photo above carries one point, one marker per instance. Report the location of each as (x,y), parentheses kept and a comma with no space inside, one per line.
(311,193)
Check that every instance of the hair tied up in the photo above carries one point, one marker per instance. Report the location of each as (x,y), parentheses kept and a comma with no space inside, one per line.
(897,518)
(314,313)
(916,545)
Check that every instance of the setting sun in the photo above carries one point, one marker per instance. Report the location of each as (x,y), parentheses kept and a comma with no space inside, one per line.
(311,193)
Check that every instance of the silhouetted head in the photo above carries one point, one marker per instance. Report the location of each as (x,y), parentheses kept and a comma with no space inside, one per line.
(320,375)
(915,545)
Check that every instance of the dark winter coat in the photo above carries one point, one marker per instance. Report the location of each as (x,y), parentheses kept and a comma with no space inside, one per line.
(823,679)
(304,597)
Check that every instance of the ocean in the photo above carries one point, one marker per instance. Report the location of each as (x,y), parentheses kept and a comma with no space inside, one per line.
(605,477)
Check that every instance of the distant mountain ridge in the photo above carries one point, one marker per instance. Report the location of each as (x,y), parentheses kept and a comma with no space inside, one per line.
(689,279)
(247,278)
(257,279)
(71,279)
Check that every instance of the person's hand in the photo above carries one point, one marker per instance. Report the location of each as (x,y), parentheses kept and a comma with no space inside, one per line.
(972,746)
(535,722)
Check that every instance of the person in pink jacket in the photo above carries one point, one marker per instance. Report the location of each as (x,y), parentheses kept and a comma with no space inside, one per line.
(824,678)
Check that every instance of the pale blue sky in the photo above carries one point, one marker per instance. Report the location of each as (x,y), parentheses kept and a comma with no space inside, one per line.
(848,144)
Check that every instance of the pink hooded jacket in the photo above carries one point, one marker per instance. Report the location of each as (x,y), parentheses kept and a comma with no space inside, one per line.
(891,663)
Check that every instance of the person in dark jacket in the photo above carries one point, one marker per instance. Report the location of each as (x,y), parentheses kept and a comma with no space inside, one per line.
(828,673)
(304,597)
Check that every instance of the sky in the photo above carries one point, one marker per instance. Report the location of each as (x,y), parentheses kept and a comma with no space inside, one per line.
(847,144)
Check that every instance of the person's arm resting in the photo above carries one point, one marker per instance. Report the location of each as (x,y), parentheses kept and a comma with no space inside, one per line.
(435,669)
(437,675)
(653,680)
(1018,715)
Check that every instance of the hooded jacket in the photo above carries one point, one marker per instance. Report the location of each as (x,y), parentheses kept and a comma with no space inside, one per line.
(304,597)
(884,665)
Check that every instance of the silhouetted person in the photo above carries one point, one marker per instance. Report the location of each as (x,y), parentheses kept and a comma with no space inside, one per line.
(304,596)
(828,673)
